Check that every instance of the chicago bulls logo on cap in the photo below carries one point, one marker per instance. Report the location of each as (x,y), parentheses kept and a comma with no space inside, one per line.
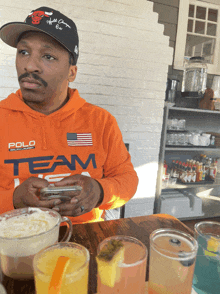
(38,15)
(49,21)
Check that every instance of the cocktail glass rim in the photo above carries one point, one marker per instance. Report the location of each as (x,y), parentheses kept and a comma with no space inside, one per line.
(198,225)
(127,238)
(167,253)
(57,245)
(26,210)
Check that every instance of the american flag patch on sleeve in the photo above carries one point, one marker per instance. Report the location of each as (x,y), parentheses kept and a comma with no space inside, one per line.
(83,139)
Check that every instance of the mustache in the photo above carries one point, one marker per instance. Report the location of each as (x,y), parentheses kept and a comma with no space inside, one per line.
(34,76)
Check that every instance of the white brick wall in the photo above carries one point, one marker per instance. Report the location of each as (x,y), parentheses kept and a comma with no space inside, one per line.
(122,67)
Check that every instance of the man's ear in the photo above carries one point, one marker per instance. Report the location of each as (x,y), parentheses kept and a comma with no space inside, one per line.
(72,73)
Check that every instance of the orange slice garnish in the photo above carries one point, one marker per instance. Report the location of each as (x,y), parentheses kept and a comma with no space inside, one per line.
(58,273)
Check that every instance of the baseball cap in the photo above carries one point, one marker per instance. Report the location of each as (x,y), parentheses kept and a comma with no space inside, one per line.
(48,21)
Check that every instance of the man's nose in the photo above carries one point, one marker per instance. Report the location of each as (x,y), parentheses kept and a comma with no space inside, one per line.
(33,64)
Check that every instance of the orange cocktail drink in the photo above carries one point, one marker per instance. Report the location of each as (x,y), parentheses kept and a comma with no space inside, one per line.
(121,266)
(75,278)
(172,262)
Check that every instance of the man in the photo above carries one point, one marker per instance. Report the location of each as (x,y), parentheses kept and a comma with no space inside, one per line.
(50,135)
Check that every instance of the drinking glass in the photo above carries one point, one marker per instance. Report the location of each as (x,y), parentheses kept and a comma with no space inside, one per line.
(186,139)
(207,270)
(181,139)
(195,139)
(75,279)
(181,124)
(169,124)
(170,139)
(174,123)
(130,273)
(176,139)
(172,262)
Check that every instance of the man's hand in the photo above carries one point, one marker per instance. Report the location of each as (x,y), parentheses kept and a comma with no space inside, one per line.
(27,194)
(83,201)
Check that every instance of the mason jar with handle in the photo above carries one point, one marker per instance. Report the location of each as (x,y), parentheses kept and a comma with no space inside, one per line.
(23,233)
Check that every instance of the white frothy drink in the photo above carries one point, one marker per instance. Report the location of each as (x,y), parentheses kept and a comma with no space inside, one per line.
(26,225)
(22,236)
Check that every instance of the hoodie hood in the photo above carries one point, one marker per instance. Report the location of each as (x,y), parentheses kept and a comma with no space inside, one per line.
(15,102)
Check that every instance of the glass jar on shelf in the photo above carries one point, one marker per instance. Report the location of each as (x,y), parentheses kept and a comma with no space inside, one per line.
(194,77)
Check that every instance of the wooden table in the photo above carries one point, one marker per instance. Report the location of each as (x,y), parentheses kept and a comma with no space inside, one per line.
(90,235)
(191,223)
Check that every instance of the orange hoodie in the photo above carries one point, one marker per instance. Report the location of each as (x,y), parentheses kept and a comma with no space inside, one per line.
(34,144)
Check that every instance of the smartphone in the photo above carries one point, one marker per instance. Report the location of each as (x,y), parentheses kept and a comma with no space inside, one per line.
(62,193)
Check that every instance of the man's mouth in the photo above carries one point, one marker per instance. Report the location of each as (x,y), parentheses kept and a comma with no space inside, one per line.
(30,83)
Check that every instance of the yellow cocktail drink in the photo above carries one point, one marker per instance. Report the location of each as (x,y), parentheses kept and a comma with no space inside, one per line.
(75,278)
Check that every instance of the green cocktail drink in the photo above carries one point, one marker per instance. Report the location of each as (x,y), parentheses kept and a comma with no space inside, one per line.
(207,269)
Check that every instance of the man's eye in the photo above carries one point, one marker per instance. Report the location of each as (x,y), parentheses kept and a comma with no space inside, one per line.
(23,52)
(49,57)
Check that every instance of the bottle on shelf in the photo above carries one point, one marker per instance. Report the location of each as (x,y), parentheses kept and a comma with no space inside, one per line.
(204,173)
(189,173)
(193,175)
(212,141)
(199,172)
(184,177)
(181,171)
(213,170)
(172,168)
(164,169)
(179,168)
(206,167)
(176,170)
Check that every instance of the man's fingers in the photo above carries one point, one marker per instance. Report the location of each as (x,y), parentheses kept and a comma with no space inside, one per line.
(38,183)
(69,209)
(70,212)
(66,182)
(74,200)
(71,180)
(30,200)
(49,203)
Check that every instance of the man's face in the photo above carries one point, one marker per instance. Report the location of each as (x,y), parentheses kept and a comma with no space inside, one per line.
(43,71)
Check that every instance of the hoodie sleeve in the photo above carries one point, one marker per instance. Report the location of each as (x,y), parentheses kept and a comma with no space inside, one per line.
(6,193)
(120,180)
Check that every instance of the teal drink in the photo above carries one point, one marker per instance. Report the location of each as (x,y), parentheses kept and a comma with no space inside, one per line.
(206,278)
